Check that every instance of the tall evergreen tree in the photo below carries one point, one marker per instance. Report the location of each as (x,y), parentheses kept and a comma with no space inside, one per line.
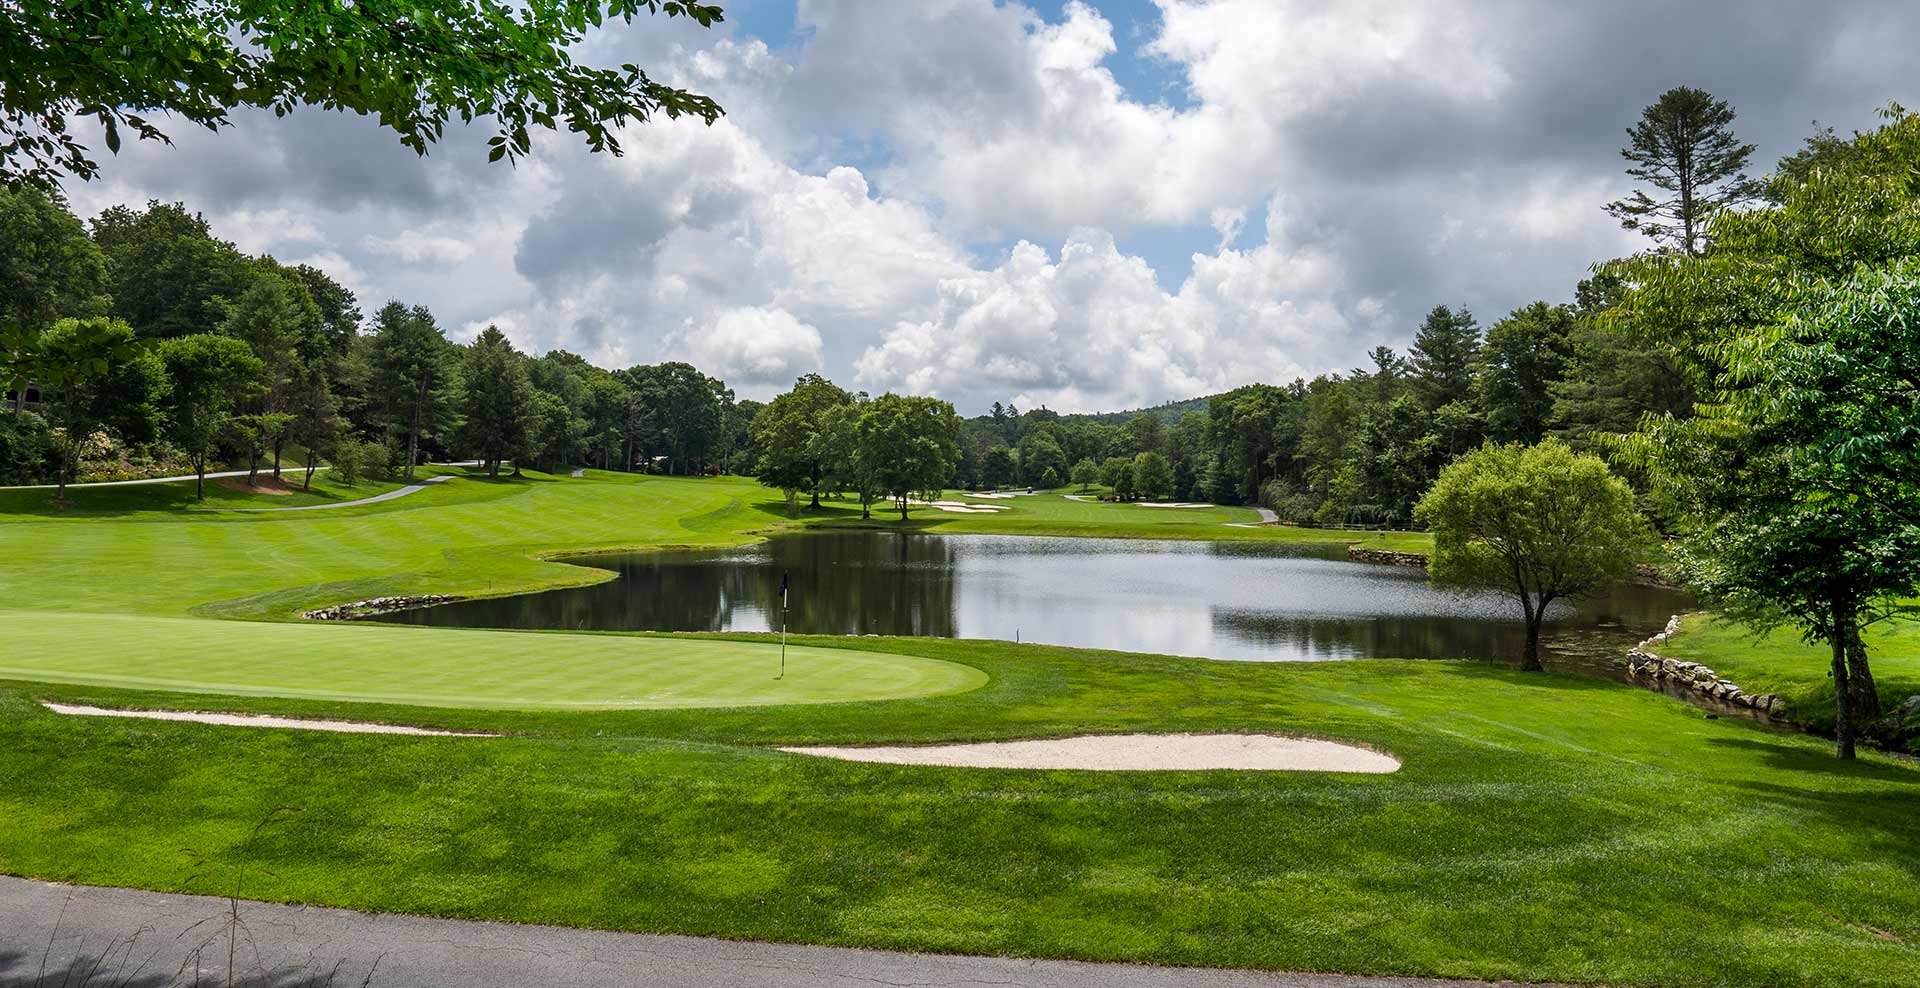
(412,375)
(1684,148)
(496,402)
(1442,356)
(1523,356)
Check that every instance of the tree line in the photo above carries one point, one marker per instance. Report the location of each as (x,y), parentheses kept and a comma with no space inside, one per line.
(140,343)
(1363,446)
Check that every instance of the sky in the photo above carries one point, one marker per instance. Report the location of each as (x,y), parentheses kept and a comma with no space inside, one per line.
(1089,205)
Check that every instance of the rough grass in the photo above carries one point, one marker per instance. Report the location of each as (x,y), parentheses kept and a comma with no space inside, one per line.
(1543,827)
(1782,664)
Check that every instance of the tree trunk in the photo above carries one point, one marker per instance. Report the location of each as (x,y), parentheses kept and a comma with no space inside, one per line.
(413,441)
(1530,658)
(1843,727)
(1683,169)
(306,483)
(903,509)
(1860,686)
(278,444)
(200,477)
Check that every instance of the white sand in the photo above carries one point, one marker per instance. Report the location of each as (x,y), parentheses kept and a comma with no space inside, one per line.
(961,508)
(258,720)
(1174,504)
(1132,753)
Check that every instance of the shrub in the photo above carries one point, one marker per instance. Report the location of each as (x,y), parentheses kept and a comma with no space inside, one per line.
(27,451)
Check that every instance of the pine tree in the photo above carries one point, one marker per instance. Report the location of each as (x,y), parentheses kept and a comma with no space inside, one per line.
(1442,357)
(497,401)
(1684,147)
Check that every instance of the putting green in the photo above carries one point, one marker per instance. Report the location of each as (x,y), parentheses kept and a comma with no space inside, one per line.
(452,668)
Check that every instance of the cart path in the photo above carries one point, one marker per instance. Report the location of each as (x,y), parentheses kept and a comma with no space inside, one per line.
(376,499)
(65,934)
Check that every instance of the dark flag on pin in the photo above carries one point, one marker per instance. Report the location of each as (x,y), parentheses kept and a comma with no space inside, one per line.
(783,625)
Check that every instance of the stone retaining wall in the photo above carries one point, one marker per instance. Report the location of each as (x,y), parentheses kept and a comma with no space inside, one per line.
(1644,664)
(1360,554)
(376,605)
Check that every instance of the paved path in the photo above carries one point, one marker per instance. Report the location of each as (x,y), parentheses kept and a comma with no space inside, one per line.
(1267,517)
(579,473)
(152,480)
(376,499)
(287,468)
(73,935)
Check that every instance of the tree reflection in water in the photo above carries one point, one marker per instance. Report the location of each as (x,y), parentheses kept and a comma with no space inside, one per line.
(1224,600)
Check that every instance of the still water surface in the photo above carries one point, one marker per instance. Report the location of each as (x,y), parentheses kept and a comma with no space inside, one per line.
(1222,599)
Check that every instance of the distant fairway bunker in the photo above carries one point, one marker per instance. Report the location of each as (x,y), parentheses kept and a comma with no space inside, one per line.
(1132,753)
(259,720)
(441,667)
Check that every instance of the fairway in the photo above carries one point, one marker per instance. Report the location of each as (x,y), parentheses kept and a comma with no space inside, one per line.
(505,670)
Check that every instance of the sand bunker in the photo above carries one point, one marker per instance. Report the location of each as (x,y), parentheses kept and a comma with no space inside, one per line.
(961,508)
(1132,753)
(259,720)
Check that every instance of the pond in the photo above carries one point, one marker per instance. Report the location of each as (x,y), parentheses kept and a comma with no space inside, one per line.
(1224,600)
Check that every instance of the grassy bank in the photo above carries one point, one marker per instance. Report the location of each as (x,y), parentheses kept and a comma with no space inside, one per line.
(1056,514)
(1781,664)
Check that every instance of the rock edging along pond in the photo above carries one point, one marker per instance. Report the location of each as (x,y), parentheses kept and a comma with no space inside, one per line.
(376,606)
(1360,554)
(1646,665)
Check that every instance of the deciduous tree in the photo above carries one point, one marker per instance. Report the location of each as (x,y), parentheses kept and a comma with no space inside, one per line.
(1794,489)
(909,446)
(1152,476)
(210,375)
(1541,522)
(49,269)
(74,356)
(786,432)
(411,65)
